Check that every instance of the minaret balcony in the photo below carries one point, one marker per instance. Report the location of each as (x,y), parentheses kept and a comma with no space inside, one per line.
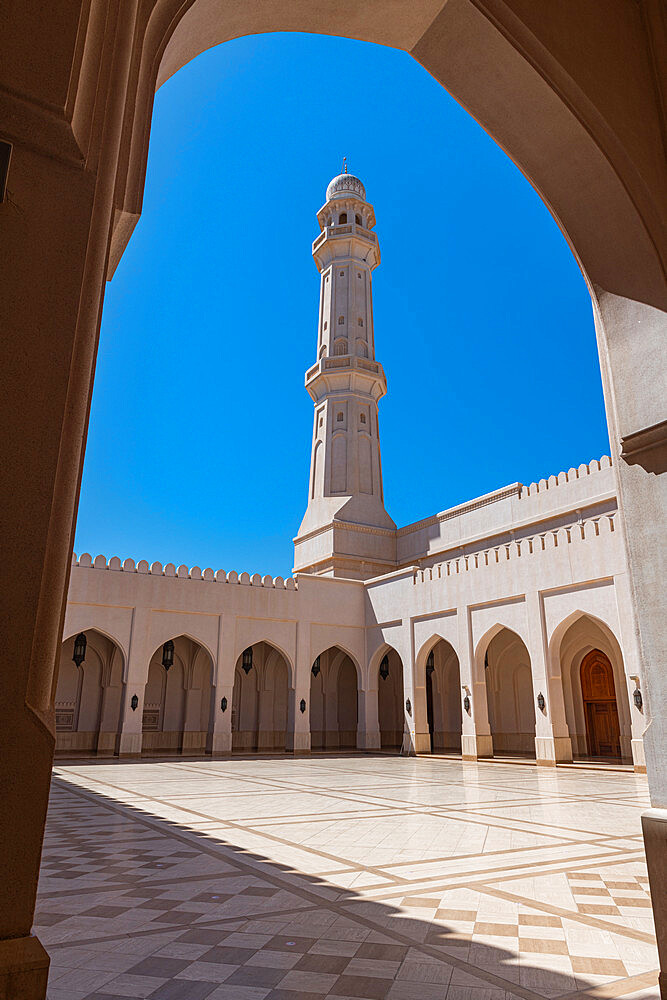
(358,373)
(350,229)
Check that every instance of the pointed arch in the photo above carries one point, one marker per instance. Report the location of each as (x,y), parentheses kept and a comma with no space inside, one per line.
(275,646)
(390,695)
(72,632)
(579,634)
(505,660)
(88,698)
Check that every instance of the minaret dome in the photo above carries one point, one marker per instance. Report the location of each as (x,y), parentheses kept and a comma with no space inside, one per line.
(345,185)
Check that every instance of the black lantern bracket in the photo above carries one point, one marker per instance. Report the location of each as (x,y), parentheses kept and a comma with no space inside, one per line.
(302,705)
(168,654)
(134,702)
(223,704)
(79,654)
(541,703)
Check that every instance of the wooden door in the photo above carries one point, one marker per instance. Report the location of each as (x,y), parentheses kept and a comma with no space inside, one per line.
(603,731)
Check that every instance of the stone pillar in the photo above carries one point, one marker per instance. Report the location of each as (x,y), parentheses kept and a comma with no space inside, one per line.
(476,739)
(368,727)
(136,676)
(330,701)
(415,722)
(298,722)
(107,739)
(221,720)
(631,338)
(632,667)
(55,229)
(418,723)
(265,709)
(191,718)
(552,736)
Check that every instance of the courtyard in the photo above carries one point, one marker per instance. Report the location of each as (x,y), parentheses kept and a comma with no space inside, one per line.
(344,876)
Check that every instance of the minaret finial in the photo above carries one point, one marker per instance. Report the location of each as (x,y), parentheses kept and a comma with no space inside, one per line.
(345,164)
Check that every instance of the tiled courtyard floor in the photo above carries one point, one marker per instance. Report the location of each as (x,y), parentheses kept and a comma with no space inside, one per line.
(344,876)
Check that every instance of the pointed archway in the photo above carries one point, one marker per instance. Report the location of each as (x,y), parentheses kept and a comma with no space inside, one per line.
(590,679)
(509,692)
(443,701)
(89,694)
(177,698)
(260,699)
(391,718)
(333,701)
(603,733)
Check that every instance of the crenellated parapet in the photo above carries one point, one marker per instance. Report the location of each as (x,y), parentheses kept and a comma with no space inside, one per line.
(578,533)
(182,572)
(571,476)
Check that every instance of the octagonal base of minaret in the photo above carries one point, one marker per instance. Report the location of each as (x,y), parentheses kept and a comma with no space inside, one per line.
(348,550)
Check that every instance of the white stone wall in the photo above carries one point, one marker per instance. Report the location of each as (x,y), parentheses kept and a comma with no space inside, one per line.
(549,574)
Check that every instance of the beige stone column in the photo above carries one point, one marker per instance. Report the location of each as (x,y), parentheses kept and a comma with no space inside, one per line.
(632,667)
(552,736)
(330,696)
(191,718)
(415,721)
(298,722)
(418,722)
(368,727)
(221,720)
(476,739)
(136,676)
(631,340)
(112,700)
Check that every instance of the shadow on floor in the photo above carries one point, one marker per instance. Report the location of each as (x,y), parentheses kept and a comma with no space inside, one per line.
(184,903)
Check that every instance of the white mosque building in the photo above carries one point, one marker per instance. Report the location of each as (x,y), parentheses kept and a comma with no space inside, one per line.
(500,627)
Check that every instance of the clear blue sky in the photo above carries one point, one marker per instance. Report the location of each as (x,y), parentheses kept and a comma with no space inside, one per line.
(200,431)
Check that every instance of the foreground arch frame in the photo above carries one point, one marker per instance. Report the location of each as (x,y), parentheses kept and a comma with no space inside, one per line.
(77,84)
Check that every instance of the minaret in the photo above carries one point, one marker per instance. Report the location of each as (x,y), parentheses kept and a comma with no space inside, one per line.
(346,531)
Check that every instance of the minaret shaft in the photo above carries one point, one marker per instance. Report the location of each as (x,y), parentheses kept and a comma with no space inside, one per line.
(345,487)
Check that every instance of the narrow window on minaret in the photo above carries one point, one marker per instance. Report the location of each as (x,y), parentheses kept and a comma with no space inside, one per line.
(342,218)
(325,324)
(357,219)
(339,418)
(342,274)
(363,418)
(341,320)
(361,322)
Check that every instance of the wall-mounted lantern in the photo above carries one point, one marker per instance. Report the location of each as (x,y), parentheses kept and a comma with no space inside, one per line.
(315,669)
(541,703)
(168,654)
(430,665)
(246,662)
(134,702)
(302,705)
(223,704)
(408,706)
(384,668)
(637,696)
(80,644)
(466,704)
